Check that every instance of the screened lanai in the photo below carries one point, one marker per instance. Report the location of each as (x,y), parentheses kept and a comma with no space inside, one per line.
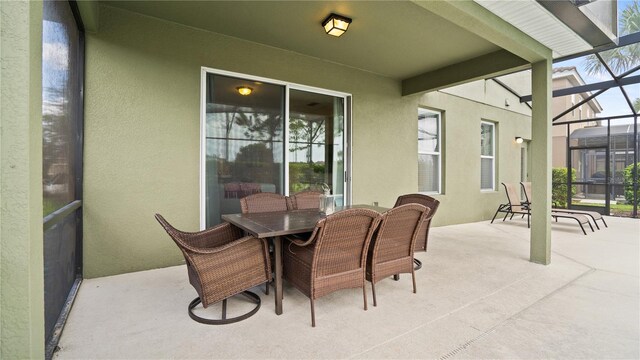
(595,127)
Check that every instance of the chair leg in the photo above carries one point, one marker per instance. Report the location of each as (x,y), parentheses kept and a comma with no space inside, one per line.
(582,227)
(364,294)
(396,277)
(255,299)
(496,214)
(505,215)
(313,314)
(413,277)
(605,224)
(511,218)
(591,227)
(373,290)
(224,309)
(266,286)
(417,263)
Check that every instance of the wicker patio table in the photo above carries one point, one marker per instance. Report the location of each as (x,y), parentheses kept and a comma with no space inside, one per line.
(274,225)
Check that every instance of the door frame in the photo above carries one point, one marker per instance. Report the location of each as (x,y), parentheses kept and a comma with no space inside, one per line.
(288,86)
(607,204)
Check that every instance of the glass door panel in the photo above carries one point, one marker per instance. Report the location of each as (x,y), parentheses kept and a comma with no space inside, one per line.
(589,182)
(244,142)
(316,142)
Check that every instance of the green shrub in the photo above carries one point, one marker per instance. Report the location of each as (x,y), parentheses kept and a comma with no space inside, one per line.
(628,183)
(559,186)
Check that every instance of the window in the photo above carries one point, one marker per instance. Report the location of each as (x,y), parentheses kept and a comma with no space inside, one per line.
(487,156)
(573,103)
(429,153)
(280,138)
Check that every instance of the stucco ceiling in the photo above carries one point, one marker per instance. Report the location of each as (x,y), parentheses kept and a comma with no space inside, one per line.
(395,39)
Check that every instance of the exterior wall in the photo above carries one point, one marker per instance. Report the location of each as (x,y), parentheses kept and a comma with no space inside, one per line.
(142,116)
(491,93)
(559,133)
(142,99)
(21,258)
(461,161)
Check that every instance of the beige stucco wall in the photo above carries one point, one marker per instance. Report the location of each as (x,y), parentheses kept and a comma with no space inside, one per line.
(462,200)
(142,135)
(21,247)
(142,131)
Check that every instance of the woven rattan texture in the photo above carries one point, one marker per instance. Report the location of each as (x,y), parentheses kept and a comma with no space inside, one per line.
(391,250)
(263,202)
(336,259)
(221,262)
(431,203)
(306,200)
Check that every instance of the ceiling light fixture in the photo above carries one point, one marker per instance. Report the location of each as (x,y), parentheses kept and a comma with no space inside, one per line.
(519,140)
(335,24)
(244,90)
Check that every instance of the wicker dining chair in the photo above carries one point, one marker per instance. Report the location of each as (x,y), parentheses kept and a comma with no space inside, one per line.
(307,199)
(334,256)
(221,263)
(263,202)
(391,249)
(423,235)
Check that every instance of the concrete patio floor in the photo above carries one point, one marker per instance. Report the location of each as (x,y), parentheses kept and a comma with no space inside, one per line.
(478,297)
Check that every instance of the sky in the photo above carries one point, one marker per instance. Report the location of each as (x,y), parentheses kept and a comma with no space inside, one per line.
(612,101)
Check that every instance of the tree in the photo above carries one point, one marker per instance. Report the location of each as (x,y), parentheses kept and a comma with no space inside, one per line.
(628,183)
(623,58)
(307,130)
(559,189)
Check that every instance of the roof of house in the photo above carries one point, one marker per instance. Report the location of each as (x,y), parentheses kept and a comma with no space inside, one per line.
(572,74)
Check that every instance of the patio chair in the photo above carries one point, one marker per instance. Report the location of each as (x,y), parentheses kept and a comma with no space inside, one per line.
(391,250)
(221,263)
(263,202)
(334,256)
(594,215)
(423,235)
(307,199)
(249,189)
(513,205)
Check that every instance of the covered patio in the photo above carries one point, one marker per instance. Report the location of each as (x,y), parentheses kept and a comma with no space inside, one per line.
(102,132)
(477,297)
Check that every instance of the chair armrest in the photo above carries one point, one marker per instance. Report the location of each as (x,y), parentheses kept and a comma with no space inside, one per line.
(213,237)
(312,237)
(225,247)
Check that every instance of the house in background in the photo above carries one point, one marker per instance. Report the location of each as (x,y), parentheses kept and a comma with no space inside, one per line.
(563,78)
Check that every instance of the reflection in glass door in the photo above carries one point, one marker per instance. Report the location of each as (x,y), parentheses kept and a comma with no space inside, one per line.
(244,141)
(316,142)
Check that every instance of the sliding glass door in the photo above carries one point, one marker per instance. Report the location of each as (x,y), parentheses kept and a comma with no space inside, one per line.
(244,142)
(248,123)
(316,142)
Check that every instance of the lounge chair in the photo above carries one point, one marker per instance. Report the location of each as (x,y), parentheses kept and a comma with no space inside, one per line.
(515,206)
(594,215)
